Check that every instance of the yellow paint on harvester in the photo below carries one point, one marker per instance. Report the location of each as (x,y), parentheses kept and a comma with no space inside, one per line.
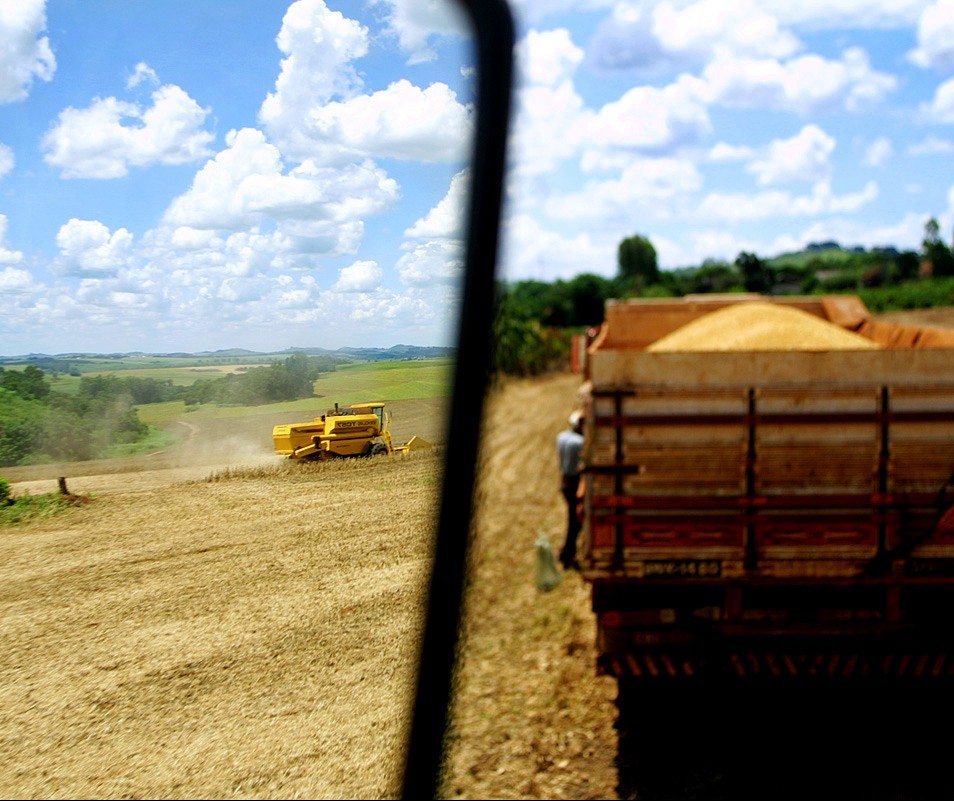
(759,326)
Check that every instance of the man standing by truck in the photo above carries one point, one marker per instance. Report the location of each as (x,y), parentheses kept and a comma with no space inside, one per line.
(569,452)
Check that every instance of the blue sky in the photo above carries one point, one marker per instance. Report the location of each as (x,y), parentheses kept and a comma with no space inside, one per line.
(196,175)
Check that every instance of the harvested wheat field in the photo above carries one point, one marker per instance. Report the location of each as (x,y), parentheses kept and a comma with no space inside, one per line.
(251,631)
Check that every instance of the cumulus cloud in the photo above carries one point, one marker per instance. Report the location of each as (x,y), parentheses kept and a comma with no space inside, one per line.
(362,276)
(806,84)
(941,107)
(25,54)
(547,58)
(644,183)
(439,261)
(7,256)
(88,248)
(805,157)
(142,73)
(647,120)
(828,14)
(6,159)
(637,35)
(878,152)
(317,110)
(444,220)
(402,122)
(531,251)
(319,46)
(14,281)
(707,27)
(433,248)
(931,146)
(735,207)
(106,138)
(416,22)
(723,151)
(935,36)
(247,183)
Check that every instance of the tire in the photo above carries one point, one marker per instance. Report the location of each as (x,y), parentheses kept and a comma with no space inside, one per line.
(378,449)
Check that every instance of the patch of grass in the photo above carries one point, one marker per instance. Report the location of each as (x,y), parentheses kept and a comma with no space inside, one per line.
(155,440)
(36,507)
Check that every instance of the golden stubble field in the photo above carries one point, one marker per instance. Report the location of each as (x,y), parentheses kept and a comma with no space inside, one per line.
(250,628)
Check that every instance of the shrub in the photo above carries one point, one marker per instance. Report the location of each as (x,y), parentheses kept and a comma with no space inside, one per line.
(4,492)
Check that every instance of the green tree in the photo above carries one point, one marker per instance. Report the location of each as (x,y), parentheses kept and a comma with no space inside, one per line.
(20,426)
(29,383)
(936,252)
(636,259)
(755,275)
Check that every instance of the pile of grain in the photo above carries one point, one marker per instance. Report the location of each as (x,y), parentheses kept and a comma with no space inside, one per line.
(760,326)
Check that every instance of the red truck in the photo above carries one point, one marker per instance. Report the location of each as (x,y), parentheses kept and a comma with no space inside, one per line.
(769,513)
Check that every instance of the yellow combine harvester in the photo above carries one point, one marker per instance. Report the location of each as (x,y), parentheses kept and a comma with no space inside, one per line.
(361,429)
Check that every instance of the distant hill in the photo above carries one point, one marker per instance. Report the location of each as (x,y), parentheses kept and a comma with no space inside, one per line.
(343,354)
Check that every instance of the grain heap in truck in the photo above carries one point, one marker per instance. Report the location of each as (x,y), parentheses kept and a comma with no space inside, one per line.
(767,490)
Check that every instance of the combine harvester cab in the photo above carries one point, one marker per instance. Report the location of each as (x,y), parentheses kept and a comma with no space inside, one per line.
(361,429)
(769,510)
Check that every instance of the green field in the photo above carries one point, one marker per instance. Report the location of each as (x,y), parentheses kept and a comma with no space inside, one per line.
(386,381)
(350,383)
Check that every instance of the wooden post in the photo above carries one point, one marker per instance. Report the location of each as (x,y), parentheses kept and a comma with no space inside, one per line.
(62,482)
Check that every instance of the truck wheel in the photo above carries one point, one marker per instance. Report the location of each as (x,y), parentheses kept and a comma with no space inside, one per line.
(378,448)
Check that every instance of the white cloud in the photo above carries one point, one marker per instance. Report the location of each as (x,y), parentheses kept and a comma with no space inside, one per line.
(648,120)
(941,108)
(878,152)
(7,256)
(547,58)
(805,84)
(931,146)
(530,251)
(246,184)
(24,54)
(678,35)
(936,36)
(840,14)
(362,276)
(15,282)
(88,248)
(142,73)
(444,220)
(644,183)
(6,159)
(438,261)
(703,28)
(804,157)
(906,233)
(414,22)
(722,151)
(402,121)
(317,110)
(696,246)
(548,114)
(740,206)
(95,143)
(549,127)
(319,45)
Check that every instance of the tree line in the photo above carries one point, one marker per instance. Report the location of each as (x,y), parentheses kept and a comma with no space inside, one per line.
(535,320)
(38,423)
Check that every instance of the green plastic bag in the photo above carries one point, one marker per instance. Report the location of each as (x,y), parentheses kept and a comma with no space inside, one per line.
(548,575)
